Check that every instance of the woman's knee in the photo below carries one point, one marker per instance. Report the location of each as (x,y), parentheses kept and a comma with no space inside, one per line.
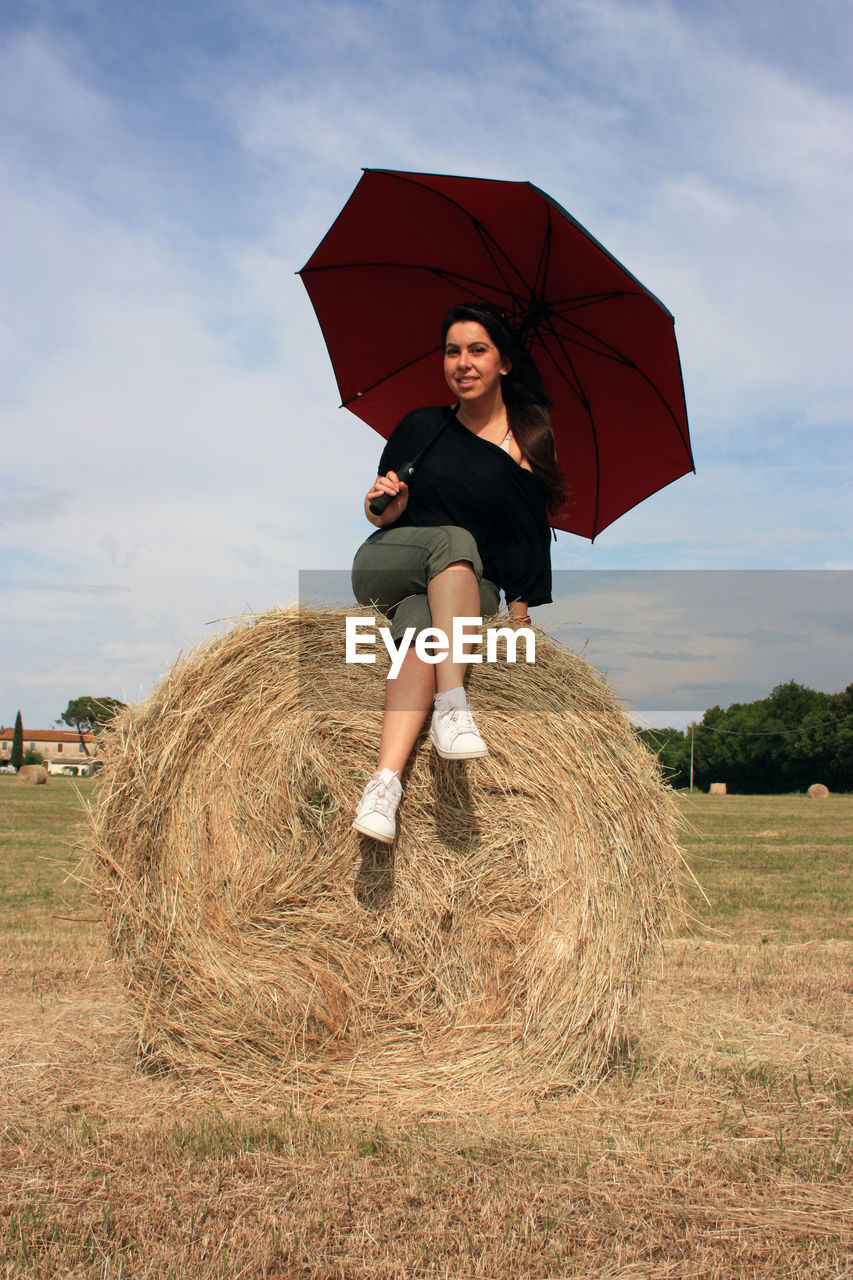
(458,550)
(463,545)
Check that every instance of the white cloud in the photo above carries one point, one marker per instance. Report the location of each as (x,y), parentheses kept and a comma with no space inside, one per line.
(667,637)
(171,419)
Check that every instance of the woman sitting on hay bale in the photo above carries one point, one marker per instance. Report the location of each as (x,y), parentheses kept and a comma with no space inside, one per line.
(471,521)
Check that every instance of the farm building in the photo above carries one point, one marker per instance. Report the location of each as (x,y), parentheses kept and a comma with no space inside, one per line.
(62,749)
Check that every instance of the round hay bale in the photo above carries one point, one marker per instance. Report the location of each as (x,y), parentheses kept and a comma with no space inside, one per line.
(817,791)
(717,789)
(34,775)
(501,937)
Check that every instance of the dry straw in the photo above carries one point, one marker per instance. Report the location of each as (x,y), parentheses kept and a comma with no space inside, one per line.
(34,775)
(500,942)
(817,791)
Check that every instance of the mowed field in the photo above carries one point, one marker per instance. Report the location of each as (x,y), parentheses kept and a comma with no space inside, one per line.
(720,1146)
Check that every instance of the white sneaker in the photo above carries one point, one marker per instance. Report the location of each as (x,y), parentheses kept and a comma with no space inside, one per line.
(377,809)
(454,734)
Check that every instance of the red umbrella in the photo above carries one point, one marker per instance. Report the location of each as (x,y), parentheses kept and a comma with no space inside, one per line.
(408,246)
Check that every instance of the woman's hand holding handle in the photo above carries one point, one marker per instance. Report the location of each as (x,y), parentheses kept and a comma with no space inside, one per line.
(388,496)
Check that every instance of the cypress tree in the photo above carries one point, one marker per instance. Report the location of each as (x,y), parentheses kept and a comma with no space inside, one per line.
(17,756)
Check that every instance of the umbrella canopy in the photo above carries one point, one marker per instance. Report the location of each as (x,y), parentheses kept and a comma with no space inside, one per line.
(408,246)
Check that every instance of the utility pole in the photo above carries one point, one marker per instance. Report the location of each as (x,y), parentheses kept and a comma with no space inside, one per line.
(692,727)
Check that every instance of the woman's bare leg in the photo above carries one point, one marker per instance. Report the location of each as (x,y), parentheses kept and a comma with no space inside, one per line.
(407,701)
(453,593)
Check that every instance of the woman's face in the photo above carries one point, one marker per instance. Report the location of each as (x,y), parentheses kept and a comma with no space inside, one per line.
(473,366)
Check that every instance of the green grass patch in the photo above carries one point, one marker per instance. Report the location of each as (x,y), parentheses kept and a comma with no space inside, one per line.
(773,865)
(40,831)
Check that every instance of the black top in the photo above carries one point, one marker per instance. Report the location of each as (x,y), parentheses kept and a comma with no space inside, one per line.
(469,482)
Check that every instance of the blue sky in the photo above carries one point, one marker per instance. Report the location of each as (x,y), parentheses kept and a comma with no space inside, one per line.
(173,450)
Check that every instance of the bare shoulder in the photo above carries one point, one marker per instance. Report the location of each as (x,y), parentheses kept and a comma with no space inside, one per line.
(517,455)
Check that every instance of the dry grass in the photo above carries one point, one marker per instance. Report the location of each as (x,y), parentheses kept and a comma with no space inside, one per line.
(720,1147)
(499,946)
(32,775)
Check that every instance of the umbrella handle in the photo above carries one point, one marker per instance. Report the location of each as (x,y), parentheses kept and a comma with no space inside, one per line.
(405,474)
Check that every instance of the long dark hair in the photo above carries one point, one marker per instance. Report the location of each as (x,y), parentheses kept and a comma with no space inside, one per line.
(527,406)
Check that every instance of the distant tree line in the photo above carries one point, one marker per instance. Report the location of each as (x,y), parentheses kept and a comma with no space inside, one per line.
(785,742)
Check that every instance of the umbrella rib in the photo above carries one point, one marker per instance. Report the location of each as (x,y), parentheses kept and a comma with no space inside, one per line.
(452,277)
(544,259)
(482,287)
(544,263)
(576,386)
(345,404)
(564,213)
(485,236)
(559,305)
(595,345)
(608,352)
(577,390)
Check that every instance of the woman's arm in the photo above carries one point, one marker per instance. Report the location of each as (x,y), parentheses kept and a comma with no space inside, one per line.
(399,492)
(518,611)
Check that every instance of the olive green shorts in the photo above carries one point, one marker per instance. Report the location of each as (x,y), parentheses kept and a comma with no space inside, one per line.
(393,569)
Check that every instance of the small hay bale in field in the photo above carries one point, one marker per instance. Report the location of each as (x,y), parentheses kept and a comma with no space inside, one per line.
(502,938)
(717,789)
(34,775)
(817,791)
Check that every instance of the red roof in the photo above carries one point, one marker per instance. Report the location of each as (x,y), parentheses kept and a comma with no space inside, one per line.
(49,735)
